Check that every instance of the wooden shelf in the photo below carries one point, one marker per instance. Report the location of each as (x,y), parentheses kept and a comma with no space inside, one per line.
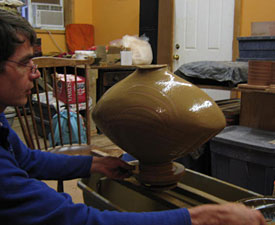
(270,89)
(216,87)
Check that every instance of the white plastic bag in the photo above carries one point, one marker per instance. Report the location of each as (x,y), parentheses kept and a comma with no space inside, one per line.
(140,47)
(15,3)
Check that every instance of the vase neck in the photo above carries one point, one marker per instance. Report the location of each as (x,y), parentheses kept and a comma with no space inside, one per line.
(151,67)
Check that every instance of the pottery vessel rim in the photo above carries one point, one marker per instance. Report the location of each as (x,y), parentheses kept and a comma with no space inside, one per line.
(151,66)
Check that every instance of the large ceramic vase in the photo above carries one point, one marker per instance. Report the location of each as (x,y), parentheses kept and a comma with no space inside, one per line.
(157,117)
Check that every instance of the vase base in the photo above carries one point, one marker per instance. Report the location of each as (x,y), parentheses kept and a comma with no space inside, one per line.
(160,177)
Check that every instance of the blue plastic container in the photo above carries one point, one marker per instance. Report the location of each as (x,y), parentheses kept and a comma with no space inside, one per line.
(256,47)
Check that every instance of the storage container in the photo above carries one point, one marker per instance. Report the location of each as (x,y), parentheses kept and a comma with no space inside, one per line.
(69,95)
(44,108)
(245,157)
(256,47)
(39,127)
(46,116)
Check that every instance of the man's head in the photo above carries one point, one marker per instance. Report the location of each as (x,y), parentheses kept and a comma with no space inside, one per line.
(10,26)
(17,38)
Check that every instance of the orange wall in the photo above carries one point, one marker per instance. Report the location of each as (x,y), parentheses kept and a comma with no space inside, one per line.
(83,11)
(256,11)
(112,19)
(56,42)
(115,18)
(52,43)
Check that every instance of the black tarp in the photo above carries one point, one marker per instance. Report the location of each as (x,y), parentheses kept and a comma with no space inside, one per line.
(223,73)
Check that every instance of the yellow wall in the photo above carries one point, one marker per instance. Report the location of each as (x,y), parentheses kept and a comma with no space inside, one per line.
(83,11)
(53,43)
(112,19)
(56,43)
(256,11)
(115,18)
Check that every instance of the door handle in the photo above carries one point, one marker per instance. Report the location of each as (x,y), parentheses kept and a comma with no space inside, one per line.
(176,57)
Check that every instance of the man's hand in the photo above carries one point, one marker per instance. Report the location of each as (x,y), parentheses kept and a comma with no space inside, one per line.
(111,167)
(231,213)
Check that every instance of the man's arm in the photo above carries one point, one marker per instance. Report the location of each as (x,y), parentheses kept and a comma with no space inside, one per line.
(231,213)
(29,201)
(44,165)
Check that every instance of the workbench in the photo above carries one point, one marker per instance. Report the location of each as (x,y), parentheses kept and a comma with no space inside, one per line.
(194,189)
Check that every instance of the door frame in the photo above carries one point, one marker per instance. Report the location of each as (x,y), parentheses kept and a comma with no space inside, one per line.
(69,16)
(166,31)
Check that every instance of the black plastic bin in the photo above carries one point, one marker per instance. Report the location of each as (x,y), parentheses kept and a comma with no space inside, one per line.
(198,160)
(46,118)
(45,113)
(39,127)
(245,157)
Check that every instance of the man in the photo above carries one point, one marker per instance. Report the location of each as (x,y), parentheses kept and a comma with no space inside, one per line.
(26,200)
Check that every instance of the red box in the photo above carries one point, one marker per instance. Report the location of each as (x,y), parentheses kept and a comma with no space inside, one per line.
(61,88)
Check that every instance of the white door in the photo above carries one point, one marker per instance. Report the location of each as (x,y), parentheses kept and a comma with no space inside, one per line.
(203,31)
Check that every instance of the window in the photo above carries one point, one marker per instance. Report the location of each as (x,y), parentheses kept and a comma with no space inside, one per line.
(44,14)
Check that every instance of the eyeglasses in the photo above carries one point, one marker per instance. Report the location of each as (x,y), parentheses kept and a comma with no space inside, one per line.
(33,68)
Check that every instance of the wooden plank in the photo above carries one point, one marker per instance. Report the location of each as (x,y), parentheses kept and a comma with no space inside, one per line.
(46,1)
(48,62)
(103,146)
(237,31)
(215,87)
(93,75)
(164,197)
(201,194)
(226,101)
(165,32)
(69,15)
(230,107)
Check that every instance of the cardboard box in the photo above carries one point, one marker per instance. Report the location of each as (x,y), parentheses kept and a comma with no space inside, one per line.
(71,87)
(263,28)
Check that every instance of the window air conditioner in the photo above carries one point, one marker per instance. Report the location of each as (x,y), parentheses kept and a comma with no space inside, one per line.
(47,16)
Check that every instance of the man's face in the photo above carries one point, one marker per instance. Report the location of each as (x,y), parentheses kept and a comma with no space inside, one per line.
(16,81)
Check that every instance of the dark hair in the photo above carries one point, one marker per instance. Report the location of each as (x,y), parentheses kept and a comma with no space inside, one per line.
(12,24)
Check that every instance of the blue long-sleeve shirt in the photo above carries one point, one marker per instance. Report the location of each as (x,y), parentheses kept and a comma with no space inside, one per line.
(25,200)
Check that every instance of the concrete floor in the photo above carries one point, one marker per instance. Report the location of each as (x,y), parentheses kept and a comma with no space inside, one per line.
(71,188)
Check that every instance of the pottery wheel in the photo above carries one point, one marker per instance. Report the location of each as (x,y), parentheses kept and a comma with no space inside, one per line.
(161,176)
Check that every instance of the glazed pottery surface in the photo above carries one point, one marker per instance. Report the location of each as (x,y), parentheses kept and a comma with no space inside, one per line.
(157,116)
